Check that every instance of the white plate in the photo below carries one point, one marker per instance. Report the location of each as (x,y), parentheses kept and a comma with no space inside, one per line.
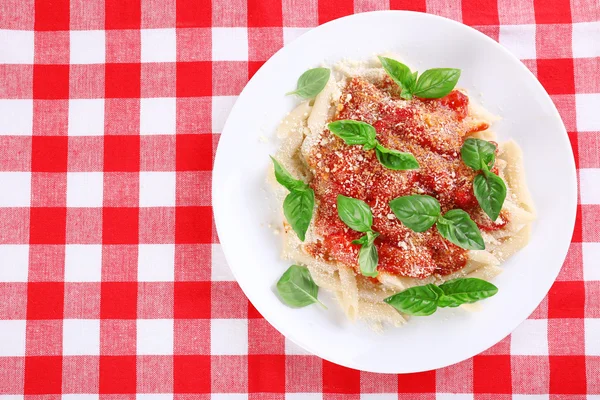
(244,207)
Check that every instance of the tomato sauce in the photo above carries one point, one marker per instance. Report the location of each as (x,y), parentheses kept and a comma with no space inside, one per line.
(433,130)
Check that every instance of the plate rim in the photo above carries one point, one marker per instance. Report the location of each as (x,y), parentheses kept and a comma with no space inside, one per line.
(219,160)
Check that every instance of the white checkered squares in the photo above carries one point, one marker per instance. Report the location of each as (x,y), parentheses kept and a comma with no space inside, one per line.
(86,117)
(220,269)
(12,338)
(229,337)
(519,40)
(87,47)
(80,396)
(221,107)
(158,45)
(377,396)
(310,396)
(588,105)
(16,116)
(156,262)
(531,397)
(14,262)
(291,34)
(157,189)
(81,337)
(12,397)
(590,185)
(530,338)
(592,336)
(230,44)
(84,189)
(453,396)
(154,337)
(154,396)
(586,39)
(16,189)
(16,47)
(157,116)
(229,396)
(591,261)
(83,262)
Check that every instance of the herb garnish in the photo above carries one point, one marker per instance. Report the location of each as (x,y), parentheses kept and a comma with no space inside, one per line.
(432,84)
(358,216)
(311,82)
(421,212)
(299,203)
(424,300)
(489,188)
(361,133)
(297,288)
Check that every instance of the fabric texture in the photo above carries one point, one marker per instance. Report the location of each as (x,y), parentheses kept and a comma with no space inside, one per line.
(112,280)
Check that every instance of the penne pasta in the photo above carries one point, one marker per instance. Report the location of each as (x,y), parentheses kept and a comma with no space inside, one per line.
(349,292)
(515,174)
(362,297)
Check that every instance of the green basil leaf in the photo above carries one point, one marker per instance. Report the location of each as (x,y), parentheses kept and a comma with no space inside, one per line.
(417,300)
(401,74)
(298,210)
(311,82)
(490,192)
(417,212)
(362,240)
(354,132)
(297,288)
(285,179)
(354,213)
(475,152)
(465,290)
(437,82)
(368,258)
(437,290)
(445,301)
(457,227)
(395,160)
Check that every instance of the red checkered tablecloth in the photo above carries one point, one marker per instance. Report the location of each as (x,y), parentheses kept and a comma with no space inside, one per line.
(112,280)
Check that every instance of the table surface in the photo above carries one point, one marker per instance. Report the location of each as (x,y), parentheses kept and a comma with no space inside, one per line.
(112,279)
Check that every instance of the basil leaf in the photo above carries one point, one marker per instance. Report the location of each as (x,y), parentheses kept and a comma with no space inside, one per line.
(361,241)
(490,192)
(475,152)
(297,288)
(417,300)
(424,300)
(457,227)
(401,74)
(417,212)
(354,213)
(437,82)
(446,301)
(285,179)
(437,290)
(465,290)
(395,160)
(298,210)
(368,258)
(354,132)
(311,82)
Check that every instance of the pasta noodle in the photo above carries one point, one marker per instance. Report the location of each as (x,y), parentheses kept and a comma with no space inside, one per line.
(358,296)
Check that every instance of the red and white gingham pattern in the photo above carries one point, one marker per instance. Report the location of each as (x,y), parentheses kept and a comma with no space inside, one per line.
(112,280)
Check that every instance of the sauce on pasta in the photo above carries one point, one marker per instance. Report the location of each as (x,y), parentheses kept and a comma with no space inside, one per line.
(433,131)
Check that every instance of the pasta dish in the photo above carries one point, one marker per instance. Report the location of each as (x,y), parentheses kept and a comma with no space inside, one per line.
(404,186)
